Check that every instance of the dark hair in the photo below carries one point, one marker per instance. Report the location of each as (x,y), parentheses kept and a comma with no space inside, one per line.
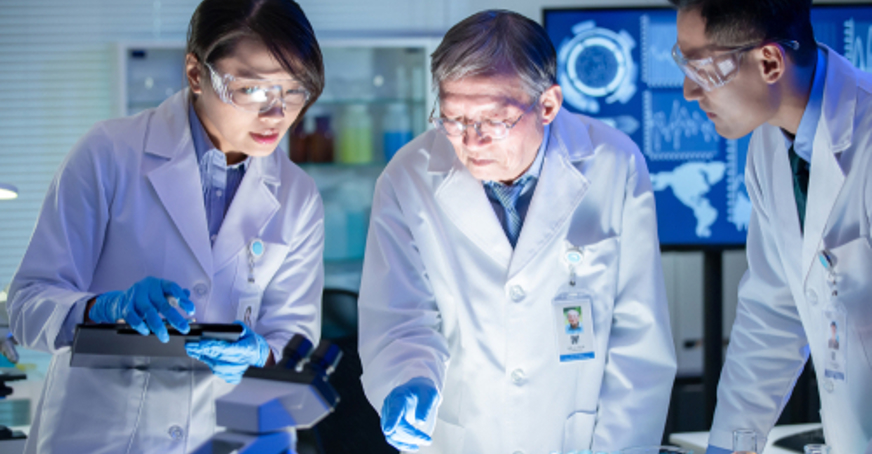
(739,22)
(218,25)
(497,42)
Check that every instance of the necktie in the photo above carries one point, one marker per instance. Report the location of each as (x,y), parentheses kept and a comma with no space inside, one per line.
(507,195)
(800,184)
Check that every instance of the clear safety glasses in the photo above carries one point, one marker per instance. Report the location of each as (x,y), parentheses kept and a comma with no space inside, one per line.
(716,71)
(258,95)
(496,130)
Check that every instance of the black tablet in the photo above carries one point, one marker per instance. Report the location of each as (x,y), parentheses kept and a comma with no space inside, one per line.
(118,346)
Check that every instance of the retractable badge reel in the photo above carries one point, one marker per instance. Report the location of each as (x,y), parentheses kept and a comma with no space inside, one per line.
(249,301)
(835,319)
(572,313)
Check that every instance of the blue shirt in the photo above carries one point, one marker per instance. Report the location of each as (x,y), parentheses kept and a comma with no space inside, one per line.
(219,181)
(528,180)
(803,143)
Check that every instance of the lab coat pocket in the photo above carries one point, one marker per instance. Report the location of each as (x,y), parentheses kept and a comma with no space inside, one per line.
(597,271)
(447,437)
(578,431)
(853,262)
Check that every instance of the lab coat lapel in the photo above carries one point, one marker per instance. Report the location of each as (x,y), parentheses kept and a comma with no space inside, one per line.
(465,203)
(253,206)
(177,180)
(786,214)
(834,135)
(558,193)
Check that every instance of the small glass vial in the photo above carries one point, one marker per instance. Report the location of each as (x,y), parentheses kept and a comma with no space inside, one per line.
(744,441)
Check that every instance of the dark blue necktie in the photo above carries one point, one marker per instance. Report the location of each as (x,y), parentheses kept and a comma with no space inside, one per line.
(800,184)
(508,195)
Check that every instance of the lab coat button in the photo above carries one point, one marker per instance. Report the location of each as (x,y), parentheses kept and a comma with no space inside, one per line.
(829,386)
(176,432)
(517,293)
(811,296)
(201,289)
(517,376)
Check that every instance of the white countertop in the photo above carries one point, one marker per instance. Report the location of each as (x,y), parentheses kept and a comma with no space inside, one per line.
(697,441)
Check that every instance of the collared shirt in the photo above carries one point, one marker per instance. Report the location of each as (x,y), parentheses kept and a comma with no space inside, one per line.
(803,144)
(219,181)
(528,181)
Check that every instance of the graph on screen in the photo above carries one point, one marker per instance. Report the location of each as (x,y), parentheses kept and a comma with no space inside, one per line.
(616,65)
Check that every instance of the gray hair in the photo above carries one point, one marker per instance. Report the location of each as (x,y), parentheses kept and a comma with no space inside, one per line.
(497,42)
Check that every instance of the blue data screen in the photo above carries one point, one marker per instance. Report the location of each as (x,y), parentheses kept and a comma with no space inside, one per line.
(616,65)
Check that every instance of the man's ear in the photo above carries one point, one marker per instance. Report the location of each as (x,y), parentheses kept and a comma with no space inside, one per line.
(772,62)
(551,100)
(193,74)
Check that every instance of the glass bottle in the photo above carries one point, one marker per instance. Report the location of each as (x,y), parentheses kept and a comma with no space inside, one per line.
(744,441)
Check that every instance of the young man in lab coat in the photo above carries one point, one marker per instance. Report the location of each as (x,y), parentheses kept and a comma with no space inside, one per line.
(753,65)
(485,232)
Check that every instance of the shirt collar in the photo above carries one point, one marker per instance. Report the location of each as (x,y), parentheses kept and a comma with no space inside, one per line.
(803,144)
(535,169)
(203,145)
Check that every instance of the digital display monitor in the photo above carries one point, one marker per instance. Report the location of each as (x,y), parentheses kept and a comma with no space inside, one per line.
(616,65)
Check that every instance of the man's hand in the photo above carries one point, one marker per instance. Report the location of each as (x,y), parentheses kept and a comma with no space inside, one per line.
(409,403)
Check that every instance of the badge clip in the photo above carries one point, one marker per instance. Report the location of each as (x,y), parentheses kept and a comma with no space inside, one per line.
(829,264)
(572,257)
(255,251)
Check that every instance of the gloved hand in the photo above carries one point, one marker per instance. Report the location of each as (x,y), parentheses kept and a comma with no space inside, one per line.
(413,401)
(142,305)
(229,360)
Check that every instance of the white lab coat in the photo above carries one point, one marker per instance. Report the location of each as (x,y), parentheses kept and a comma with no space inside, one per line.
(783,295)
(444,296)
(127,203)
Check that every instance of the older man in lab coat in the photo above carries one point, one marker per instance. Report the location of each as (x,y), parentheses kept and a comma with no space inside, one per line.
(754,65)
(485,233)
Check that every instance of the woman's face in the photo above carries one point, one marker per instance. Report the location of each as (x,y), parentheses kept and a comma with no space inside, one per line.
(237,132)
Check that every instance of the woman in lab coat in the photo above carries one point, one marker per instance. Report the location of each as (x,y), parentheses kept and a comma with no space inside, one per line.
(146,203)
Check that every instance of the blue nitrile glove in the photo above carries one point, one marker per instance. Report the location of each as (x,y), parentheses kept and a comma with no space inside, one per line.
(229,360)
(412,401)
(142,305)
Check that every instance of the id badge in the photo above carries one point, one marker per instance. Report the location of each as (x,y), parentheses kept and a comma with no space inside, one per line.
(249,305)
(836,321)
(573,325)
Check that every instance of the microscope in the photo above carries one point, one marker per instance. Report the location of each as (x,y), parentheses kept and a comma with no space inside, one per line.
(10,440)
(263,411)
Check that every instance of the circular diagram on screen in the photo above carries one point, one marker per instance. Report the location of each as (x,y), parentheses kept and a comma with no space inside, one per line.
(597,63)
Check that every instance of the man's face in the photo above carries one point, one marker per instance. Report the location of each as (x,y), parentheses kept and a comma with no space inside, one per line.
(741,105)
(496,98)
(573,319)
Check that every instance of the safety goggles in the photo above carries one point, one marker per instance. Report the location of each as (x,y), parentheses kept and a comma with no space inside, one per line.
(716,71)
(258,95)
(496,130)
